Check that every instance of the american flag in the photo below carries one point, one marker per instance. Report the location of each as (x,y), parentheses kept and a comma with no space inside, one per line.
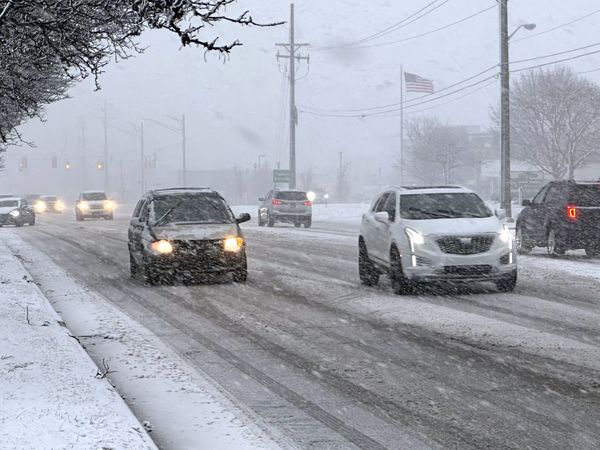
(414,83)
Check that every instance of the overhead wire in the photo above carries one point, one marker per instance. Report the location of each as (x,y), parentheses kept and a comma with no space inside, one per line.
(533,35)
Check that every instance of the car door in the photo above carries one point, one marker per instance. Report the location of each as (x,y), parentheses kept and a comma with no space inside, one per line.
(26,211)
(385,227)
(532,217)
(540,212)
(136,228)
(374,228)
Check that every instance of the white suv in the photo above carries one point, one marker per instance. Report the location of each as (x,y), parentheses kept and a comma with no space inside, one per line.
(432,234)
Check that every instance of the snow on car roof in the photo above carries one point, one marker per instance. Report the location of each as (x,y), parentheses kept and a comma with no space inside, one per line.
(413,190)
(180,191)
(93,192)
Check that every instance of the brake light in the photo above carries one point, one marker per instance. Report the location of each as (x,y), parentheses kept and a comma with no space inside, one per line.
(307,203)
(276,202)
(572,212)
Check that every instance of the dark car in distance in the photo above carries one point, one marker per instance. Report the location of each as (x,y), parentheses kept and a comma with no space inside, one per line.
(186,233)
(16,211)
(564,215)
(288,206)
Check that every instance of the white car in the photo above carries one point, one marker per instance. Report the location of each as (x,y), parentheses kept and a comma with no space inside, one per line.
(429,234)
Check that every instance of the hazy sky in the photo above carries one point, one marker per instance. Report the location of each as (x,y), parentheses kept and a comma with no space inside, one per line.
(237,109)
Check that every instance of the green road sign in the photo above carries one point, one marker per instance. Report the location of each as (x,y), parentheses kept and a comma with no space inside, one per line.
(282,176)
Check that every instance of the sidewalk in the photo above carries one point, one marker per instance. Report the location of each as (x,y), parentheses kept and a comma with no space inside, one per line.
(52,395)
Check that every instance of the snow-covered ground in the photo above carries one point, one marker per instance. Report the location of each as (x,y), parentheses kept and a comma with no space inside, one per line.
(52,394)
(157,384)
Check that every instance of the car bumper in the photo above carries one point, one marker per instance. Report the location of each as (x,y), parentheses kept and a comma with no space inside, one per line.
(490,266)
(291,216)
(198,264)
(96,213)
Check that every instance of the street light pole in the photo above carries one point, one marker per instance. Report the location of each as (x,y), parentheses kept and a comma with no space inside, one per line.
(505,194)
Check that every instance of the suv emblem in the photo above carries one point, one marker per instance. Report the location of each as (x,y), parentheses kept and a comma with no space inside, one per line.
(466,241)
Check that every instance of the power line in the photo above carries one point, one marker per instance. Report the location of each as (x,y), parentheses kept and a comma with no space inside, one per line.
(555,62)
(403,23)
(585,47)
(589,71)
(579,19)
(427,33)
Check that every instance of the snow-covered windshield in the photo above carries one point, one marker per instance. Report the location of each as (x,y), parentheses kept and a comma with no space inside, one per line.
(291,195)
(9,203)
(443,206)
(49,198)
(191,209)
(93,196)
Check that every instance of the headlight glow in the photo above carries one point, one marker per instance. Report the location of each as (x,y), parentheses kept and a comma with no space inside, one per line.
(84,206)
(59,206)
(233,244)
(414,237)
(109,205)
(40,206)
(15,213)
(311,196)
(506,236)
(161,247)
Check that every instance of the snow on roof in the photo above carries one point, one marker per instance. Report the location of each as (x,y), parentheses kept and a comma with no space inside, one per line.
(413,190)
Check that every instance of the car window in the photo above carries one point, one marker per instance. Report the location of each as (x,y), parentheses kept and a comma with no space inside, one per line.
(380,204)
(190,209)
(553,195)
(539,198)
(9,204)
(291,195)
(443,206)
(390,204)
(585,195)
(143,213)
(138,208)
(93,196)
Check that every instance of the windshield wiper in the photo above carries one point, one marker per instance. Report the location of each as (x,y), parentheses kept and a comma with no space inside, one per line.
(429,213)
(165,215)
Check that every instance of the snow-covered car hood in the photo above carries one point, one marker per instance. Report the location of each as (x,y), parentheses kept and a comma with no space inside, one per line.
(8,209)
(196,232)
(456,226)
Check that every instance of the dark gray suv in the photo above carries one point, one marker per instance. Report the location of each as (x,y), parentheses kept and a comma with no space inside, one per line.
(289,206)
(186,233)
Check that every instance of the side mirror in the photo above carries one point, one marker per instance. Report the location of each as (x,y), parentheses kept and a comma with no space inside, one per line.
(261,199)
(526,203)
(383,216)
(500,213)
(245,217)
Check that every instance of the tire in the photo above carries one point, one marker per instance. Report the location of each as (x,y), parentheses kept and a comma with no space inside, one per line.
(297,224)
(78,217)
(400,284)
(369,276)
(111,217)
(270,221)
(260,221)
(507,284)
(134,269)
(522,242)
(19,224)
(240,275)
(31,222)
(553,245)
(593,251)
(308,223)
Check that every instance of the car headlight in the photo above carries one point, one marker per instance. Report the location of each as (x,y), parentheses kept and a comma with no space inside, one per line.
(15,213)
(40,206)
(415,238)
(59,206)
(506,236)
(83,206)
(161,247)
(233,244)
(109,205)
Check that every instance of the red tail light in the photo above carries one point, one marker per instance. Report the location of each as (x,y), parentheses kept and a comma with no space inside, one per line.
(307,203)
(276,202)
(572,212)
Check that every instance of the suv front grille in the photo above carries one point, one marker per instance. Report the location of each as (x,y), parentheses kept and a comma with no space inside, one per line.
(465,245)
(466,271)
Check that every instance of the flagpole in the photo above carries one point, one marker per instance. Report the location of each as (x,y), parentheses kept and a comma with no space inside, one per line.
(402,125)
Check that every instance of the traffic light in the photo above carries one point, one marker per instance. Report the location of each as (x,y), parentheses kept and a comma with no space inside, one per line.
(23,163)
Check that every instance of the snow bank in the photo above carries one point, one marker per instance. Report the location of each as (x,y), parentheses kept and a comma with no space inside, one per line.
(53,395)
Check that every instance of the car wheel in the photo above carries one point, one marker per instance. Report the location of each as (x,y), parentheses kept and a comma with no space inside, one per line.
(270,221)
(369,276)
(308,224)
(400,284)
(593,251)
(241,274)
(507,284)
(31,222)
(297,224)
(19,224)
(260,221)
(522,242)
(111,217)
(78,217)
(553,245)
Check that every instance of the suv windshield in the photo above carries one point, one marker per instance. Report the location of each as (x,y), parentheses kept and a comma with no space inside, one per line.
(586,195)
(49,199)
(9,204)
(291,195)
(191,209)
(443,206)
(94,196)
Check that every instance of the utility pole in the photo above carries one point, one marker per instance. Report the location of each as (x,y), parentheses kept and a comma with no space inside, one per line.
(292,47)
(82,144)
(106,187)
(402,158)
(183,149)
(505,193)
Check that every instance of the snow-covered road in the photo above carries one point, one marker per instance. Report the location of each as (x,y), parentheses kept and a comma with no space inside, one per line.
(306,353)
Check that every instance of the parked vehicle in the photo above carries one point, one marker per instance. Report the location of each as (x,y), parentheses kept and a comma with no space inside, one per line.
(94,204)
(187,233)
(564,215)
(289,206)
(16,211)
(431,234)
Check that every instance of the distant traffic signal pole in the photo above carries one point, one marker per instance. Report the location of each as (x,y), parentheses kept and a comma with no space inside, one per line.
(292,48)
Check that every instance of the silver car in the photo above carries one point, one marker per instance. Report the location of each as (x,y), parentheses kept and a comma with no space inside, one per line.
(289,206)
